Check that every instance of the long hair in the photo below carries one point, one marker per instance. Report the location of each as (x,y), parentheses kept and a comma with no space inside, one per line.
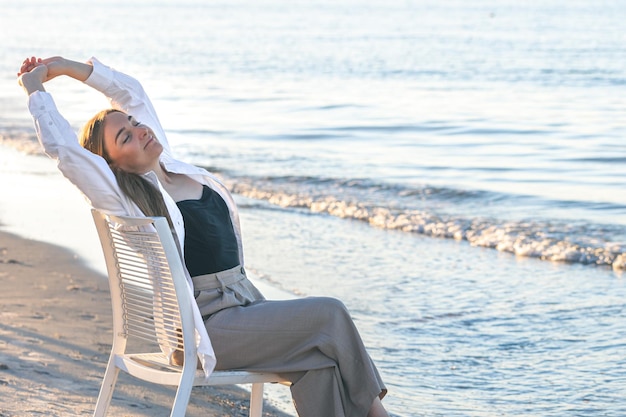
(147,197)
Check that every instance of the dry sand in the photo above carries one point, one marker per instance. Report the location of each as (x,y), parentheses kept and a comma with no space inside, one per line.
(55,338)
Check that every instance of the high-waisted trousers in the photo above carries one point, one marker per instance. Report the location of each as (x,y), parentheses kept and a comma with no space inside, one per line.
(312,342)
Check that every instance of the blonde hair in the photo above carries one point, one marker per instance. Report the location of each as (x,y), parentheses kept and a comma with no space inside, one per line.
(147,197)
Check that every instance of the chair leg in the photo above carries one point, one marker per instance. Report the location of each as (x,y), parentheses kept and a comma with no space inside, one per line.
(106,390)
(183,393)
(256,400)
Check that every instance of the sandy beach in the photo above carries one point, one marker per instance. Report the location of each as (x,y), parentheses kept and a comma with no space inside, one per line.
(55,331)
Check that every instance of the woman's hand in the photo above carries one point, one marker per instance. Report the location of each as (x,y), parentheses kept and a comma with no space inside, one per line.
(33,73)
(28,65)
(56,66)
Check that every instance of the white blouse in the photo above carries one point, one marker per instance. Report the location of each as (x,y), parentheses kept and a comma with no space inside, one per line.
(93,177)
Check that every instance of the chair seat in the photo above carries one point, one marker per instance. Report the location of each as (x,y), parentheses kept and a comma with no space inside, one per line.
(155,367)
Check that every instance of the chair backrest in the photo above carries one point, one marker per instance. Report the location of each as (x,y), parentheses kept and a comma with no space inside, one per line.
(149,293)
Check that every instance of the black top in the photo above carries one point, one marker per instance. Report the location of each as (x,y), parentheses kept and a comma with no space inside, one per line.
(210,241)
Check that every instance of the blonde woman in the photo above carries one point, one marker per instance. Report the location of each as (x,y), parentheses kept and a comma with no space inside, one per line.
(123,164)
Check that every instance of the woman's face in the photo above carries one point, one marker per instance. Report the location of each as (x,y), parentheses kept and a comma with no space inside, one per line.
(131,146)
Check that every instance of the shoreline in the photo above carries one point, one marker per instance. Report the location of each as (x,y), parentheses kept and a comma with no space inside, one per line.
(55,339)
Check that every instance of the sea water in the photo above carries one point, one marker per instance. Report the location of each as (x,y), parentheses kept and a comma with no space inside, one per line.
(452,171)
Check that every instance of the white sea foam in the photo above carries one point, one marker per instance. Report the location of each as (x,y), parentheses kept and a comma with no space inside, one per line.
(530,239)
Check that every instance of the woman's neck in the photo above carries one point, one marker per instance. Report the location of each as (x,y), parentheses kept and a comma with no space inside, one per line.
(163,175)
(179,186)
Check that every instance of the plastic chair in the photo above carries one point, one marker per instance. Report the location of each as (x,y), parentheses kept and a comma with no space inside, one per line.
(152,314)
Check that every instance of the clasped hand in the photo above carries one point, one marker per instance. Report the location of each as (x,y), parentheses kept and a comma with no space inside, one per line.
(44,69)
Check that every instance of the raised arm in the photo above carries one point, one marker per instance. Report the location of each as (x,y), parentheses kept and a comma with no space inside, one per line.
(127,94)
(89,172)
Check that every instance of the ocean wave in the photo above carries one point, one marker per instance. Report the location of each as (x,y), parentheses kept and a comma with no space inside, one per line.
(547,240)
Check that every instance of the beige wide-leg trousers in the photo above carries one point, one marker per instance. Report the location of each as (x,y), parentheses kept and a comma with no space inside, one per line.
(312,342)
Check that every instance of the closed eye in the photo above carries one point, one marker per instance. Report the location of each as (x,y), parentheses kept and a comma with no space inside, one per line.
(127,133)
(133,122)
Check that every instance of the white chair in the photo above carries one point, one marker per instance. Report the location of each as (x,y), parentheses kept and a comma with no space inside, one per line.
(152,312)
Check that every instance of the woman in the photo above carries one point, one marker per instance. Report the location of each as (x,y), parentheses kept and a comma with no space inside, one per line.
(125,167)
